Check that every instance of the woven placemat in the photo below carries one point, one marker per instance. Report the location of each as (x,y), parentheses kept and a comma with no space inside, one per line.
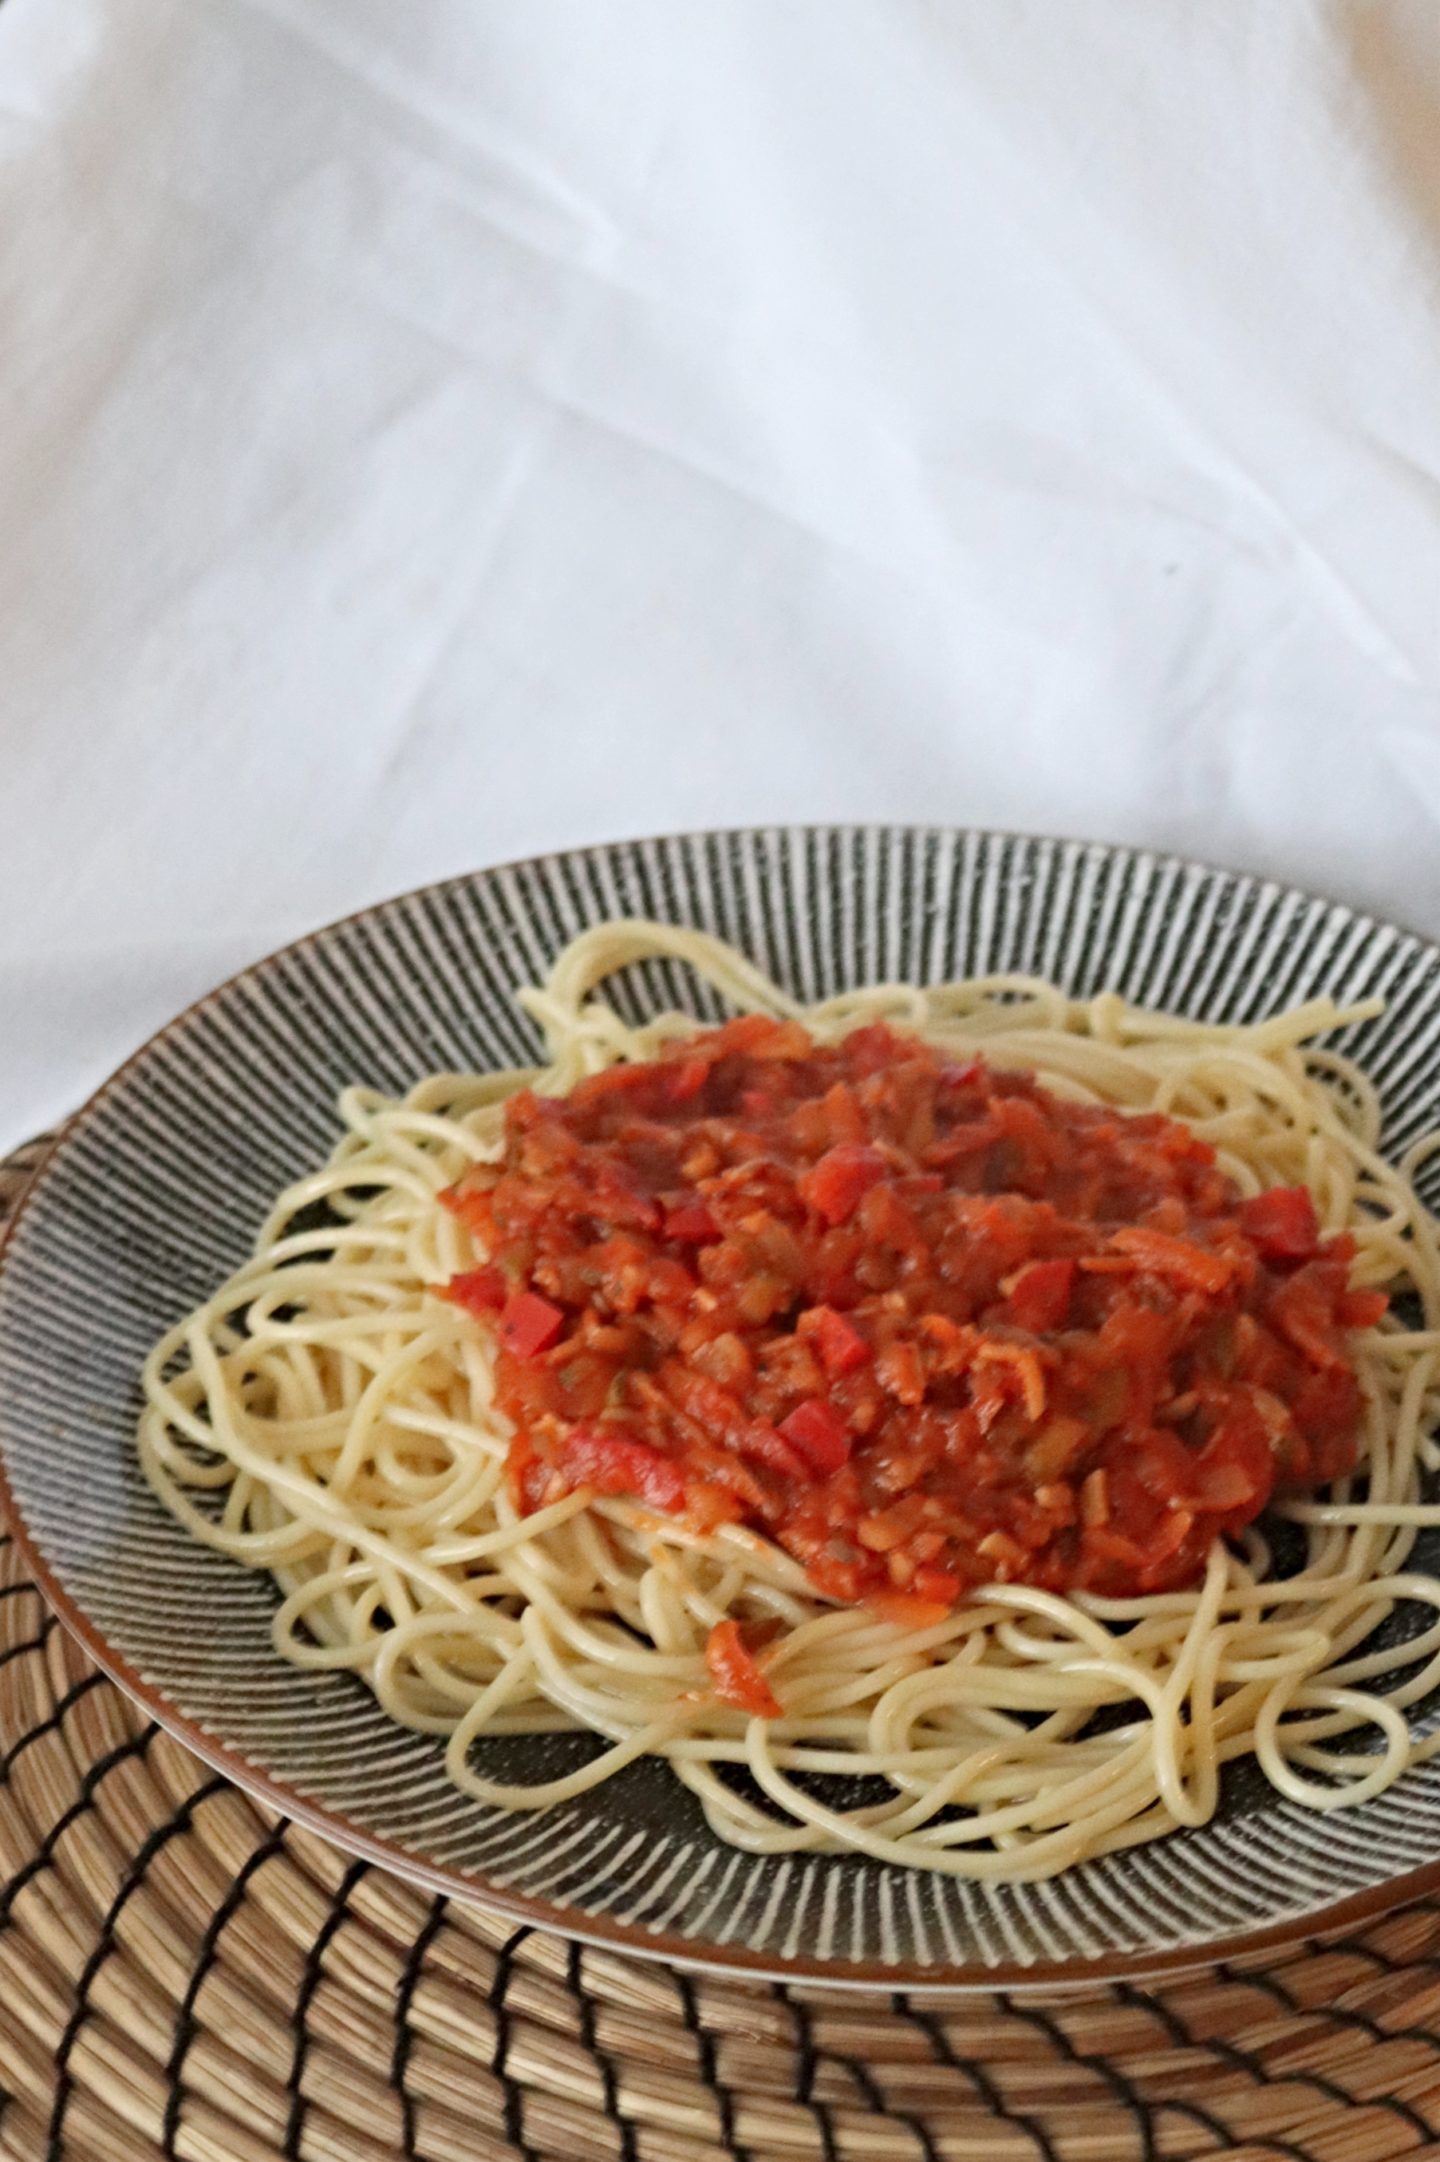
(184,1975)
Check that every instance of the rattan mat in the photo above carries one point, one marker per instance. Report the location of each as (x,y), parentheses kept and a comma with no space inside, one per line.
(184,1975)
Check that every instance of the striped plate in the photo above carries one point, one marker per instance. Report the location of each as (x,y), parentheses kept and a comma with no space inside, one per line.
(157,1187)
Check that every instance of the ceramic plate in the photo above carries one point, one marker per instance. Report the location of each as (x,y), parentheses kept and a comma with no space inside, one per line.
(156,1190)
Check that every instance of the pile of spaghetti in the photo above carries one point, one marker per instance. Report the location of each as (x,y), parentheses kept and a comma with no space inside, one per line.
(887,1388)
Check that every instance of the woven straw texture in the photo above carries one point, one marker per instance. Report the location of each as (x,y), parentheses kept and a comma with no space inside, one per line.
(183,1975)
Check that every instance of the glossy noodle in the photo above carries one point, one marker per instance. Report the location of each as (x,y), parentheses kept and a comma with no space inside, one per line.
(328,1417)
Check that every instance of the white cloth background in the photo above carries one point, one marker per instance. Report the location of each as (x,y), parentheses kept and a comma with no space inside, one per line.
(433,430)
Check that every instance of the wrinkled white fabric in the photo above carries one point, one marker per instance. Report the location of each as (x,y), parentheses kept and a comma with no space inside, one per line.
(433,430)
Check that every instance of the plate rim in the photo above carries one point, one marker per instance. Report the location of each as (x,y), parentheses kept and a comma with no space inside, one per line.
(634,1939)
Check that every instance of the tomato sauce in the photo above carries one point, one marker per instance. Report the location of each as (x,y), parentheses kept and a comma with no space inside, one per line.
(924,1323)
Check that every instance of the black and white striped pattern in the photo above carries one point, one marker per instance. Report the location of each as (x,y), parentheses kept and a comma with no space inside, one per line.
(158,1187)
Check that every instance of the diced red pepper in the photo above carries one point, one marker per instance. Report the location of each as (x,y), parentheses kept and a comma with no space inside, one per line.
(691,1223)
(766,1446)
(1304,1312)
(748,1033)
(1040,1296)
(1163,1465)
(937,1584)
(685,1078)
(1235,1470)
(628,1076)
(836,1185)
(819,1432)
(612,1462)
(1326,1405)
(1282,1223)
(737,1678)
(1167,1539)
(1362,1309)
(480,1291)
(1113,1546)
(837,1339)
(529,1324)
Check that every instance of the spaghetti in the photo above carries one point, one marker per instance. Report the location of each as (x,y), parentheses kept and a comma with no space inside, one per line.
(331,1416)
